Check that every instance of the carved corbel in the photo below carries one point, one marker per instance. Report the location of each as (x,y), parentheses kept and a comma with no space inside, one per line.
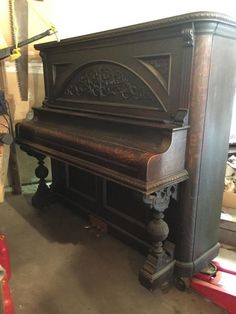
(188,36)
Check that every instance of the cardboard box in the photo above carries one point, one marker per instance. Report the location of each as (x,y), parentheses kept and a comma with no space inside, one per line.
(229,199)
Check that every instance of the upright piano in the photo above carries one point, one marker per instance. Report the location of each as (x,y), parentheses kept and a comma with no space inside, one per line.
(136,121)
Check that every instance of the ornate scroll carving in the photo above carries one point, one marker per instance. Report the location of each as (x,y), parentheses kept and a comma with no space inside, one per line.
(159,263)
(106,81)
(188,36)
(159,200)
(160,67)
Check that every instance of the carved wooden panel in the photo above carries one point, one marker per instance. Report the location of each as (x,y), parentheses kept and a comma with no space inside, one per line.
(58,71)
(82,182)
(110,82)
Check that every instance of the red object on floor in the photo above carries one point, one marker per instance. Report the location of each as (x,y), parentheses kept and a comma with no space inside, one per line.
(7,298)
(220,289)
(224,268)
(4,256)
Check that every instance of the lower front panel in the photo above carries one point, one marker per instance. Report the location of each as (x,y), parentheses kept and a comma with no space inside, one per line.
(123,211)
(120,207)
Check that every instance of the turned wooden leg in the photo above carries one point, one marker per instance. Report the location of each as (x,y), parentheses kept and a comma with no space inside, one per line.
(158,267)
(43,195)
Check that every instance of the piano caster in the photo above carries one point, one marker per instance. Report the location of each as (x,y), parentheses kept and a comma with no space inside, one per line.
(159,265)
(179,283)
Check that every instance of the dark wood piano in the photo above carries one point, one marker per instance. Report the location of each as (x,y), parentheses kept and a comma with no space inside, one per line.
(136,121)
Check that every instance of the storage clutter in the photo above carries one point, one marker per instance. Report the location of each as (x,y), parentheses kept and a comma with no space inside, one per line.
(229,197)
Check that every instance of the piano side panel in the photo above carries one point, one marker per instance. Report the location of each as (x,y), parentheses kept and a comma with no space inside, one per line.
(189,193)
(221,97)
(210,115)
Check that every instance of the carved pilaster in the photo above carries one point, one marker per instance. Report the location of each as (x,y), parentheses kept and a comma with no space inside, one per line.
(159,263)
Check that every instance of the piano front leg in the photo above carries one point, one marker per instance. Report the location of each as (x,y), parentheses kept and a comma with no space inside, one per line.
(44,195)
(159,264)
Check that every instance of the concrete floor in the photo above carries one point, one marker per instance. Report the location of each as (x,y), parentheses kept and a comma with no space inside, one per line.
(59,267)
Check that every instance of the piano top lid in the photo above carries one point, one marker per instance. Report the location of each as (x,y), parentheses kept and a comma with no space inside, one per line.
(200,18)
